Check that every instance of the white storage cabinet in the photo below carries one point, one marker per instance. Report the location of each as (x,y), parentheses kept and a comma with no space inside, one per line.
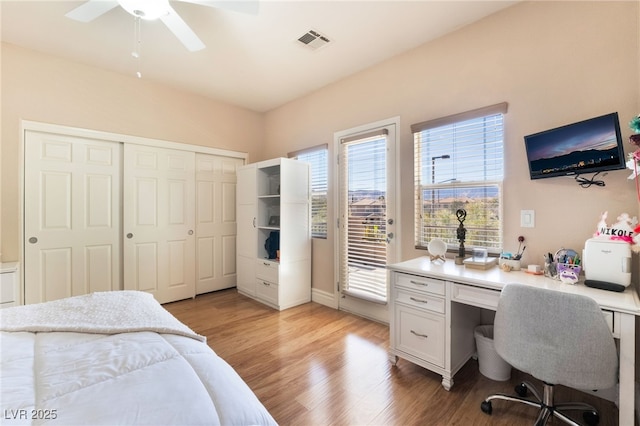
(273,196)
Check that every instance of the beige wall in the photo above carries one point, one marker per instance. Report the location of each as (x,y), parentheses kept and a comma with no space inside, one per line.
(553,62)
(42,88)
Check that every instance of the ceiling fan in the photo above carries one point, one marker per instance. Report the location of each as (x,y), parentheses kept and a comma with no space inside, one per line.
(151,10)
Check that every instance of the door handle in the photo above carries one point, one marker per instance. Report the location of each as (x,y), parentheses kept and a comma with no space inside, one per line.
(254,222)
(389,237)
(190,232)
(129,235)
(33,240)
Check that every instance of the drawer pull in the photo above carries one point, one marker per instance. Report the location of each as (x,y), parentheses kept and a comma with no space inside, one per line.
(419,335)
(419,283)
(266,283)
(418,300)
(266,264)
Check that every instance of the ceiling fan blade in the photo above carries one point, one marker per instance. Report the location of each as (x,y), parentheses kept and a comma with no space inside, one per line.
(90,10)
(181,30)
(243,6)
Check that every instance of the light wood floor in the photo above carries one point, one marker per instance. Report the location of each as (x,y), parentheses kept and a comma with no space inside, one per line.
(313,365)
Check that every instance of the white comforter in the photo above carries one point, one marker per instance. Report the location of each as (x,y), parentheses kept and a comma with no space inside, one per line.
(106,370)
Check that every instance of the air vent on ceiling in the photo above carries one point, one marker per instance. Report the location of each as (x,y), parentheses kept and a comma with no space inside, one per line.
(313,40)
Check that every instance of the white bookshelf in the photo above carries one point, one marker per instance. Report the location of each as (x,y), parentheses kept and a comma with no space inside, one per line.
(273,198)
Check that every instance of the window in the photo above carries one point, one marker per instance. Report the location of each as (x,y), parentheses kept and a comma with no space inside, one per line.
(458,164)
(317,157)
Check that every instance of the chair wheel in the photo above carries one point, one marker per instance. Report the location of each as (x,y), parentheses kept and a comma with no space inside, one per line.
(486,407)
(592,418)
(522,390)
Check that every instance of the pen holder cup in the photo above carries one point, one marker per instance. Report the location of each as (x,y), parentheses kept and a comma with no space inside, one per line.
(509,264)
(568,273)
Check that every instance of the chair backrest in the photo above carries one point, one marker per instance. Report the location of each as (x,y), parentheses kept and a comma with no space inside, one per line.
(559,338)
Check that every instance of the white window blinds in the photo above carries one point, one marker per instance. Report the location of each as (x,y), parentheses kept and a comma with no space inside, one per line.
(458,163)
(317,158)
(363,193)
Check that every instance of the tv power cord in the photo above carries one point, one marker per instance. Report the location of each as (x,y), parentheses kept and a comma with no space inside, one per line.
(586,183)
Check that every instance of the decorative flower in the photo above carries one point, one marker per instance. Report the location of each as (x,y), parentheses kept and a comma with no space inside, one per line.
(633,163)
(633,160)
(519,253)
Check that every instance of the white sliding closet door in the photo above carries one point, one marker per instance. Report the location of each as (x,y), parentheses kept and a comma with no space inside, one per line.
(215,222)
(159,222)
(71,216)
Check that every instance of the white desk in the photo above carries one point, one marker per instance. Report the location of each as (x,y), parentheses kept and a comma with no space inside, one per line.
(442,300)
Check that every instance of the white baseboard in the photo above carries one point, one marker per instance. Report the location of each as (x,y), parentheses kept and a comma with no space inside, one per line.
(324,298)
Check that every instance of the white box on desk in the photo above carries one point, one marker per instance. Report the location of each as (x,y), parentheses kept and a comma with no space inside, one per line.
(607,260)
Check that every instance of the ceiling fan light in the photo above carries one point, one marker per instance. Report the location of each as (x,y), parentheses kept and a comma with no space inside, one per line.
(148,10)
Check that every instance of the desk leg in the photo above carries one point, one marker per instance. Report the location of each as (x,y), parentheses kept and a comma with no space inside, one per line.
(393,359)
(627,369)
(447,382)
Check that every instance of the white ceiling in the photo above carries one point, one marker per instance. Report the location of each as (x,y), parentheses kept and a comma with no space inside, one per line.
(250,60)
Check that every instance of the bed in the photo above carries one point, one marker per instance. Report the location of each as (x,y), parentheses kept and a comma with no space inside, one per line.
(115,358)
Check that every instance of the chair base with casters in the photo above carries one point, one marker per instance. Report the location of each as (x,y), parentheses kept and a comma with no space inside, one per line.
(545,404)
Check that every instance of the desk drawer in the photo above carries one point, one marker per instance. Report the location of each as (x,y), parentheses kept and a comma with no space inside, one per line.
(420,301)
(414,282)
(421,334)
(475,296)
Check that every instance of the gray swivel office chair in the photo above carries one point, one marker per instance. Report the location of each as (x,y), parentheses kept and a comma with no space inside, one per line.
(558,338)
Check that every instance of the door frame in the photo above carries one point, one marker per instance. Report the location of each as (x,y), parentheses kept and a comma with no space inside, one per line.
(375,311)
(28,125)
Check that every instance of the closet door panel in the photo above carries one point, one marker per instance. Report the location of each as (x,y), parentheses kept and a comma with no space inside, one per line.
(229,267)
(71,216)
(159,222)
(98,268)
(55,206)
(56,274)
(145,268)
(215,222)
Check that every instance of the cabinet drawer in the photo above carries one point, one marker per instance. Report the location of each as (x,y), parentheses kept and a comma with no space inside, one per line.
(267,291)
(421,334)
(475,296)
(420,300)
(267,270)
(415,282)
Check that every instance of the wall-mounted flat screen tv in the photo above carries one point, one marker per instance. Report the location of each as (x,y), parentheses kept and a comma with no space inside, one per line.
(589,146)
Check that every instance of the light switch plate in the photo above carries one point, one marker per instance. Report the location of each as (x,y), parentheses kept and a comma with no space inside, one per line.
(527,218)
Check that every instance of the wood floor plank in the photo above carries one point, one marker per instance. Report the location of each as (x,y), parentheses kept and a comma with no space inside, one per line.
(313,365)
